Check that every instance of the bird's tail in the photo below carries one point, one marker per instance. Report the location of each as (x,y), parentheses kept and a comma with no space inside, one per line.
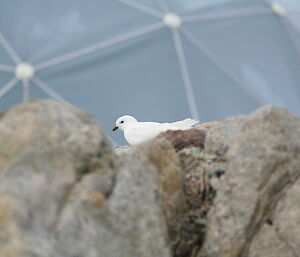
(185,124)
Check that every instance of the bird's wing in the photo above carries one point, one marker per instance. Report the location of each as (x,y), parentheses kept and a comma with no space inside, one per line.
(149,129)
(143,131)
(184,124)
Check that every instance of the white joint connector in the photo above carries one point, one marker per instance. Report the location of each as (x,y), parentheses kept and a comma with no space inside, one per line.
(24,71)
(172,20)
(278,9)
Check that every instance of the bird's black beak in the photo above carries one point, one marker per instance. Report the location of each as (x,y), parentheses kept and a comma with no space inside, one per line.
(115,128)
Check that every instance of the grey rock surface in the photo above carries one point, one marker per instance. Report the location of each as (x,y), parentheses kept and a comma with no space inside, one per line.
(221,136)
(64,193)
(127,221)
(229,189)
(263,161)
(280,237)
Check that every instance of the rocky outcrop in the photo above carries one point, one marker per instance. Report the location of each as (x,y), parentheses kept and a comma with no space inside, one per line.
(263,162)
(63,192)
(227,188)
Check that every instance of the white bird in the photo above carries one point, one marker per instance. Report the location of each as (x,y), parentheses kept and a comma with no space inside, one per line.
(137,132)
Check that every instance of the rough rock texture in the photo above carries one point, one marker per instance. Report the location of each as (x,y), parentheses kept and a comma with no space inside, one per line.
(185,189)
(64,193)
(280,235)
(181,139)
(220,137)
(224,189)
(263,162)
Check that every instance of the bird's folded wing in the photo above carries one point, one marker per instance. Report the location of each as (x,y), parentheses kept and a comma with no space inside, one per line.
(184,124)
(146,130)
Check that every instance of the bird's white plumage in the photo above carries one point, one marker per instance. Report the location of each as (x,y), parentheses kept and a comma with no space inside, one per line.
(137,132)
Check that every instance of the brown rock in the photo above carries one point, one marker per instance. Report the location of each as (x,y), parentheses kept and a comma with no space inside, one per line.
(184,138)
(97,199)
(185,190)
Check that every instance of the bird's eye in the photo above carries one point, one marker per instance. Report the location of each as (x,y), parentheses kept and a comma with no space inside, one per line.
(122,121)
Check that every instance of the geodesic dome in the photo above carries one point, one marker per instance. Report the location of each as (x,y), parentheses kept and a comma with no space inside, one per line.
(160,60)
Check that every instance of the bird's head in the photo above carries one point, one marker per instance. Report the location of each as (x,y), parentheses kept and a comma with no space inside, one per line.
(124,121)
